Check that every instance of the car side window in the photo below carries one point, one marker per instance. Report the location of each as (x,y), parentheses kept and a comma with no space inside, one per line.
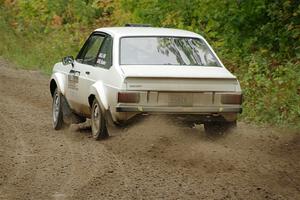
(104,59)
(91,49)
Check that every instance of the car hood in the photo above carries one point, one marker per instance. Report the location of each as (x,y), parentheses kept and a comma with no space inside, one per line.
(176,72)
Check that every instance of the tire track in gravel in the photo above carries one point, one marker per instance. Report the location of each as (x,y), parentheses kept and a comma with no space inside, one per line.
(35,146)
(77,166)
(95,159)
(19,152)
(103,166)
(6,177)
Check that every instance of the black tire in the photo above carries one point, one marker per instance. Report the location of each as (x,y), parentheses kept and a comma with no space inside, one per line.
(57,113)
(218,127)
(98,122)
(81,119)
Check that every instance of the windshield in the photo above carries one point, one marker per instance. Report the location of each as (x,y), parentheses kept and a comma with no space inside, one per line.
(166,51)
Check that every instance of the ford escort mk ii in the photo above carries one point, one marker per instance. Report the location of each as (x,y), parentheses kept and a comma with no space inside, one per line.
(121,72)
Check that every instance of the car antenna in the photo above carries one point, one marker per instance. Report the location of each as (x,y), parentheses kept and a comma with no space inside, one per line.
(137,25)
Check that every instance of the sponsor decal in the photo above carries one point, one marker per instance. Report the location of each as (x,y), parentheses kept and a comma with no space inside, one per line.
(73,79)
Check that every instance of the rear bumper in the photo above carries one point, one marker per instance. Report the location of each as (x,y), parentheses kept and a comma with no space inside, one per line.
(183,110)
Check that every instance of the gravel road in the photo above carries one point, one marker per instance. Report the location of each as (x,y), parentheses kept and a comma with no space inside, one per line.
(158,157)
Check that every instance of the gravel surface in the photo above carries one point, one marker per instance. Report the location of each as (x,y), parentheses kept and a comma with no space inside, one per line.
(157,157)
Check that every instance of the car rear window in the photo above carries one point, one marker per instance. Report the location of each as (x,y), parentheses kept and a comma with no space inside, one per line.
(166,51)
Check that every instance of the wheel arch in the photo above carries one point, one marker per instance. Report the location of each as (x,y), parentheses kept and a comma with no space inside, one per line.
(57,80)
(53,86)
(98,91)
(91,99)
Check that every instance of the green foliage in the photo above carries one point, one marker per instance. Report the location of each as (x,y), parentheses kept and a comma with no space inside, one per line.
(264,25)
(258,40)
(271,95)
(33,51)
(37,34)
(44,13)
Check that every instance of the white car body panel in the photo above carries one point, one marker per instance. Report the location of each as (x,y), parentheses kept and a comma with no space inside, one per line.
(163,71)
(176,84)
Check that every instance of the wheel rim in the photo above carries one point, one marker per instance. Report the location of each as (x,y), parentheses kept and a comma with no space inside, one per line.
(55,107)
(96,118)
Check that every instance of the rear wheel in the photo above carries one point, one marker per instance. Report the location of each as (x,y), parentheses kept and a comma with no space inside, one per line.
(57,114)
(218,127)
(98,122)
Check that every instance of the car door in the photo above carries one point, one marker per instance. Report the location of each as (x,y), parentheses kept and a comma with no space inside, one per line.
(78,75)
(96,72)
(94,68)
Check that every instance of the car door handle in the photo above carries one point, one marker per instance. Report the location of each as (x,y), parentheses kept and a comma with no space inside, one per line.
(87,73)
(74,72)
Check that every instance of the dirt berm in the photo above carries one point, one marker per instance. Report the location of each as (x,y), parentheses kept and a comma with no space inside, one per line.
(156,158)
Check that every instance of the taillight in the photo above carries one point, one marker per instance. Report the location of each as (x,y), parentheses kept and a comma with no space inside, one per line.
(128,97)
(231,98)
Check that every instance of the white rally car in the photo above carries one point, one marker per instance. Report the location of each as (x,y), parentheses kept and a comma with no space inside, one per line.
(121,72)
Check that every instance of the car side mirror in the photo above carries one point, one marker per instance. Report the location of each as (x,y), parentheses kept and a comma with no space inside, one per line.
(68,60)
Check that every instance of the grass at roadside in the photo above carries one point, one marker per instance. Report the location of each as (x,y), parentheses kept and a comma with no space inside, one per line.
(38,51)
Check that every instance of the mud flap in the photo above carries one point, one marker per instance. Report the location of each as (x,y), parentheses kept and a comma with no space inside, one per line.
(112,127)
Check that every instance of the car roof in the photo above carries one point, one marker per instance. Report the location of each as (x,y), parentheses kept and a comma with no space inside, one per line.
(146,31)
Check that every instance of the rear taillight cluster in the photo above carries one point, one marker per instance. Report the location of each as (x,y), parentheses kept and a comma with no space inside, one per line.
(231,99)
(128,97)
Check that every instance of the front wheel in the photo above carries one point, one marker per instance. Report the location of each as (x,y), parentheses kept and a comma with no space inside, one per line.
(98,122)
(218,127)
(57,113)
